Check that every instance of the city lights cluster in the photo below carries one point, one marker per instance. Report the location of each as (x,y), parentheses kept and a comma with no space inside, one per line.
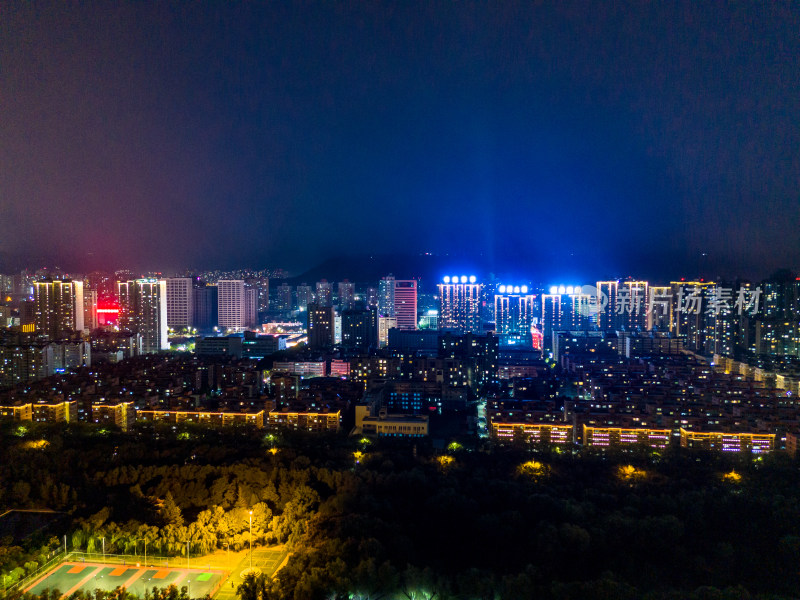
(565,289)
(461,279)
(512,289)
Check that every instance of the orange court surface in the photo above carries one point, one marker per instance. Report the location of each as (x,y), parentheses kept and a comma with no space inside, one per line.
(70,577)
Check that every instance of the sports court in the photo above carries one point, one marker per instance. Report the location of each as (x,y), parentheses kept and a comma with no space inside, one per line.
(268,560)
(72,576)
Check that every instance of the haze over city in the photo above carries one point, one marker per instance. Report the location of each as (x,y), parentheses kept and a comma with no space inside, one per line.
(654,139)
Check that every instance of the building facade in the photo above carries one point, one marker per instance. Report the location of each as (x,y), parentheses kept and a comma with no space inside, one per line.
(320,326)
(514,311)
(405,303)
(460,304)
(180,302)
(143,310)
(231,304)
(59,309)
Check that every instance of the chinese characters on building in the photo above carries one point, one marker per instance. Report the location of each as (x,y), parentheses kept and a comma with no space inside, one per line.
(691,300)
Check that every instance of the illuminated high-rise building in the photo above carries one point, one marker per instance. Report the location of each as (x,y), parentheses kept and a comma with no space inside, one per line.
(143,310)
(774,337)
(20,363)
(231,304)
(537,338)
(180,302)
(551,316)
(721,332)
(346,294)
(6,284)
(23,283)
(284,293)
(514,311)
(337,328)
(104,284)
(689,302)
(261,287)
(775,326)
(480,350)
(429,320)
(359,329)
(607,317)
(384,325)
(371,297)
(90,321)
(323,295)
(398,298)
(460,304)
(123,275)
(659,308)
(58,308)
(405,303)
(567,308)
(305,296)
(780,297)
(386,296)
(251,296)
(631,305)
(622,306)
(581,313)
(205,306)
(320,326)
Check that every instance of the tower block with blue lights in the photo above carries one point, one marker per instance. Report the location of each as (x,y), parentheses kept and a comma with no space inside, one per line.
(514,313)
(460,304)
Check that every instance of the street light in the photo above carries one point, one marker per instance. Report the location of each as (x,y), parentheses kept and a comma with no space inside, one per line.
(104,549)
(251,539)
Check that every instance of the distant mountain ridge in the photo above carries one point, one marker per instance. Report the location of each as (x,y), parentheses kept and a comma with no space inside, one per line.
(541,266)
(428,268)
(371,268)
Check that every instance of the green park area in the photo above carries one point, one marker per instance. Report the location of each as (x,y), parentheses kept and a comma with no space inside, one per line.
(358,518)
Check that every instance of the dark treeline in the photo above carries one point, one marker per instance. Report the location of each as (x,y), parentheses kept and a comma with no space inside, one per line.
(167,593)
(396,520)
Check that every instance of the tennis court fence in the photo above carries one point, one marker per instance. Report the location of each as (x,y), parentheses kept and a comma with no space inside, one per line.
(176,562)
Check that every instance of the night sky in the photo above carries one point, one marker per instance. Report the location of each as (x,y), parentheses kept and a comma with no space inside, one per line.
(622,138)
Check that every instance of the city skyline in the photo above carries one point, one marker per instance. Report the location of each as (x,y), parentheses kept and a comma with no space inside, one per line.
(160,136)
(427,269)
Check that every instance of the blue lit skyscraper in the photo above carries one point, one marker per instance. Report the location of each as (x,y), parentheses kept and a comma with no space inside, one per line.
(514,312)
(460,304)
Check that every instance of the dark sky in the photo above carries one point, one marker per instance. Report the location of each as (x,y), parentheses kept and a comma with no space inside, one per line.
(631,138)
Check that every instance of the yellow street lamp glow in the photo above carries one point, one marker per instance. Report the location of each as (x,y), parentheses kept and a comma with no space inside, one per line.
(732,477)
(445,461)
(533,469)
(631,474)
